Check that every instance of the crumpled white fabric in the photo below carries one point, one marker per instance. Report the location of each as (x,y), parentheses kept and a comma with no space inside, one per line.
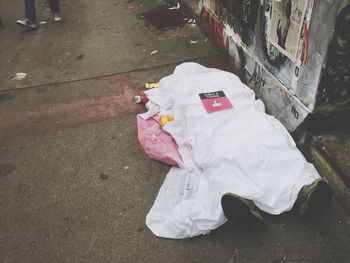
(240,150)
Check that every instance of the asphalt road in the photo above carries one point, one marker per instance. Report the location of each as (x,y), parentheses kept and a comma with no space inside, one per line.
(75,185)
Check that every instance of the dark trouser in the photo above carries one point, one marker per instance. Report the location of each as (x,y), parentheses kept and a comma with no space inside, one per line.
(30,8)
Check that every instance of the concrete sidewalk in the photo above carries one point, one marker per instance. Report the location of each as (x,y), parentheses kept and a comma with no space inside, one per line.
(75,185)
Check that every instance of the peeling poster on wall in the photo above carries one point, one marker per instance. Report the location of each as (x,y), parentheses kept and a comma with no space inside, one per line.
(243,15)
(287,20)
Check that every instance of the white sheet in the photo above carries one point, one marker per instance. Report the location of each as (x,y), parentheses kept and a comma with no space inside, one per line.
(241,150)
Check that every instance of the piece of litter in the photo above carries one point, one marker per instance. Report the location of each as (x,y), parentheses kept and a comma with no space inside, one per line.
(43,22)
(19,76)
(126,167)
(194,41)
(137,99)
(189,20)
(175,7)
(154,52)
(141,98)
(151,85)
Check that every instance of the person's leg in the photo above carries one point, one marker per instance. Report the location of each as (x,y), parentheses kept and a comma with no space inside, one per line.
(241,211)
(29,20)
(54,6)
(313,197)
(30,10)
(55,9)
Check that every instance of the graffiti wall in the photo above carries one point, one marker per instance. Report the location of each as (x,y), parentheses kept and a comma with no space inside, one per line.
(294,53)
(335,81)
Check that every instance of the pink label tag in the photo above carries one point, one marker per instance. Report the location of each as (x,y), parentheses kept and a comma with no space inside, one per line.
(215,101)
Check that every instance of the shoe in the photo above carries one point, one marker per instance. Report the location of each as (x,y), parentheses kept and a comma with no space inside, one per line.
(313,197)
(241,211)
(57,17)
(26,22)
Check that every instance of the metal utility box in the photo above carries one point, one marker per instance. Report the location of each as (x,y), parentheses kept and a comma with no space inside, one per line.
(294,53)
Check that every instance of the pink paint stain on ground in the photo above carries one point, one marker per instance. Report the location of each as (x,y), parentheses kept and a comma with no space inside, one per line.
(123,81)
(57,117)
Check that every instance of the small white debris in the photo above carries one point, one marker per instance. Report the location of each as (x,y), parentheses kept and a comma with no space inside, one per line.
(137,99)
(154,52)
(42,22)
(194,41)
(19,76)
(175,7)
(126,167)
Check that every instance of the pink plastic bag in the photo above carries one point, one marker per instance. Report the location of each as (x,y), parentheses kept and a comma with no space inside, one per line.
(157,144)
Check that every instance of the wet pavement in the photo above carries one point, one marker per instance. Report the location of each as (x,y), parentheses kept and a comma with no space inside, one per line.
(75,185)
